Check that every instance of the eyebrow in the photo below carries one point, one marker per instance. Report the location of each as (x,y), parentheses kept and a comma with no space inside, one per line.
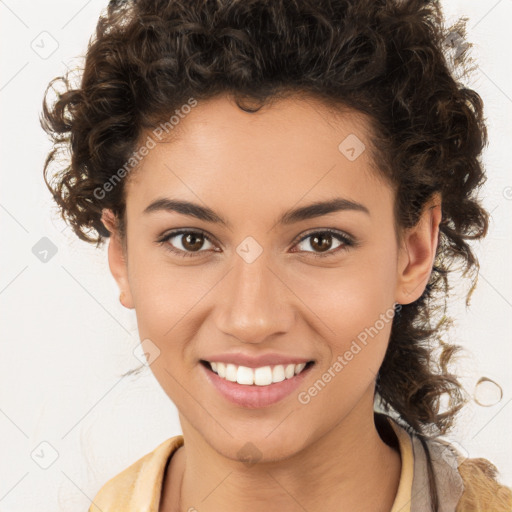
(302,213)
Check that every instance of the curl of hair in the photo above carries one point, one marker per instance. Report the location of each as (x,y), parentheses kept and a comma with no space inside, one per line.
(388,60)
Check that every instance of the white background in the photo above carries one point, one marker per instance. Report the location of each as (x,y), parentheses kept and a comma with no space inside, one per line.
(66,339)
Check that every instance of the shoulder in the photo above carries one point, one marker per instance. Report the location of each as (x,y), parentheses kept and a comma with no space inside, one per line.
(462,484)
(138,487)
(482,491)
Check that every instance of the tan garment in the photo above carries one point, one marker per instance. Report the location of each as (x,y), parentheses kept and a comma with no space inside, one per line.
(462,487)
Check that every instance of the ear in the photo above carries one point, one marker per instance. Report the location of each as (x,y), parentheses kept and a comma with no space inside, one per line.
(117,258)
(417,253)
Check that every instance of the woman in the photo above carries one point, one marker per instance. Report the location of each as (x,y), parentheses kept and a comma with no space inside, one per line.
(285,187)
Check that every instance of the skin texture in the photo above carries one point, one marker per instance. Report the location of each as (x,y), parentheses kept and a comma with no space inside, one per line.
(250,168)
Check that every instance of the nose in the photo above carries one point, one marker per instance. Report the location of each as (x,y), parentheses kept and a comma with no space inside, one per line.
(254,302)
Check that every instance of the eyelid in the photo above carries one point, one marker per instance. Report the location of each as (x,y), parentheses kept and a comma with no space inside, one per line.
(332,231)
(165,237)
(346,242)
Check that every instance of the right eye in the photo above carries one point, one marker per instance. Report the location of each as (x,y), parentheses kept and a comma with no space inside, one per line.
(190,244)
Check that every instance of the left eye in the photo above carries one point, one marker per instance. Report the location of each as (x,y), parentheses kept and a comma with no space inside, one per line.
(322,240)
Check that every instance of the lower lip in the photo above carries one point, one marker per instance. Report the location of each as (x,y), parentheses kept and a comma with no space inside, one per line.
(254,396)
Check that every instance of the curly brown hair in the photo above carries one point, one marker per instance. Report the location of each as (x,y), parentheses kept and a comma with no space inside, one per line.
(392,61)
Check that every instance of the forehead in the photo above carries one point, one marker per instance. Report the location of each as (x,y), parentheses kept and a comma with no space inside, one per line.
(288,150)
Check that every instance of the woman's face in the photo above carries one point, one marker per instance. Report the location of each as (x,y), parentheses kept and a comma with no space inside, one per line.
(254,279)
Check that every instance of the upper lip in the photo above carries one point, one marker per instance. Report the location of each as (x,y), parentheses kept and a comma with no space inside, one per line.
(256,361)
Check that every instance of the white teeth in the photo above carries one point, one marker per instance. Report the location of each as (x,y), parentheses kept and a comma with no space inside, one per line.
(289,371)
(221,370)
(245,375)
(262,376)
(278,373)
(299,367)
(231,372)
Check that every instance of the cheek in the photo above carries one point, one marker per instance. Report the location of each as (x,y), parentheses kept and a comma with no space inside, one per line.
(355,306)
(351,298)
(356,350)
(162,301)
(162,293)
(164,304)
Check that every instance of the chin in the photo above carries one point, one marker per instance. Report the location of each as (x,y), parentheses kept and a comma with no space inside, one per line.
(255,447)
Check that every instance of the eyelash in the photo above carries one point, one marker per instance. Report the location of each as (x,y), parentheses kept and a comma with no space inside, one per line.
(346,240)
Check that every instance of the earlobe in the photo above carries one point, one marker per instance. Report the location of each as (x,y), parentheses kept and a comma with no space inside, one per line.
(117,259)
(417,254)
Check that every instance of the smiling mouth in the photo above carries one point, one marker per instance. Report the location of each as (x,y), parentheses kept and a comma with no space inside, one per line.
(261,376)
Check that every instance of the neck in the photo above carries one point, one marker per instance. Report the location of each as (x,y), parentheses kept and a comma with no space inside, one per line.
(347,468)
